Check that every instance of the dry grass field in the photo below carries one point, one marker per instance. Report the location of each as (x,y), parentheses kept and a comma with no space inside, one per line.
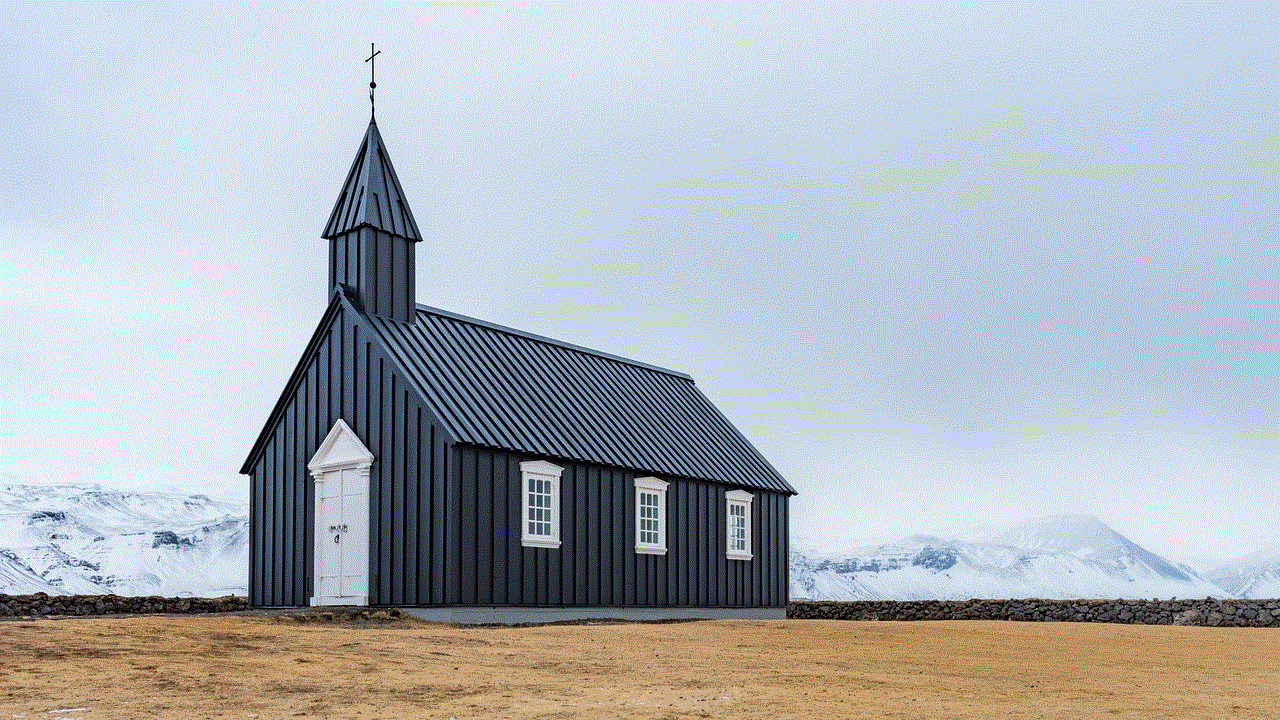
(272,667)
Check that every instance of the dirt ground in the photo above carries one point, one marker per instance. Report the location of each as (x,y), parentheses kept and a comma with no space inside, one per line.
(272,667)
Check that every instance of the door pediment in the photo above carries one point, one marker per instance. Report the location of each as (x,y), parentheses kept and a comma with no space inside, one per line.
(341,448)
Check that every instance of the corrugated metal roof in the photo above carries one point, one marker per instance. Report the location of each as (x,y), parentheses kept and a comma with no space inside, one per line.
(498,387)
(371,196)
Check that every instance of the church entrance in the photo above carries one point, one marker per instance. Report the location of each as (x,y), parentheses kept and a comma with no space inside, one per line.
(342,538)
(341,558)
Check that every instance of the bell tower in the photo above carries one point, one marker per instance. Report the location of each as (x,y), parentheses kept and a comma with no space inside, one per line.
(371,234)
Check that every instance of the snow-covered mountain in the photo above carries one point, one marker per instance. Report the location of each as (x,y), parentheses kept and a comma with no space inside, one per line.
(1256,575)
(85,539)
(1064,556)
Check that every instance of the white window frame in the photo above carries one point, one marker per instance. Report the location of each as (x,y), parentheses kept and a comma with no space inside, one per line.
(652,486)
(738,498)
(540,470)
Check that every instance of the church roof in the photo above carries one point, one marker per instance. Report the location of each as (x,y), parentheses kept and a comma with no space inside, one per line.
(497,387)
(371,196)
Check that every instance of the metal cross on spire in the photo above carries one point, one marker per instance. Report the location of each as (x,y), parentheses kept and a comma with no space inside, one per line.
(372,85)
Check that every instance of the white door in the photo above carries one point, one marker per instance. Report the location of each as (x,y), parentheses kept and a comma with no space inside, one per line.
(342,538)
(353,537)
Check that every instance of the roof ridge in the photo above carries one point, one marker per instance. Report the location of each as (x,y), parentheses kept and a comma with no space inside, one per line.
(550,341)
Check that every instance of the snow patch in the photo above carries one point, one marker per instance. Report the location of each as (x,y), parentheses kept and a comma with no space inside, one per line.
(1256,575)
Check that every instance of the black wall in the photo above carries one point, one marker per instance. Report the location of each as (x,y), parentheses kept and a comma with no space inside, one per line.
(596,563)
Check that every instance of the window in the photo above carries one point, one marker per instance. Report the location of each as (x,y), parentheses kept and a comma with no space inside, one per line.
(738,516)
(541,491)
(651,516)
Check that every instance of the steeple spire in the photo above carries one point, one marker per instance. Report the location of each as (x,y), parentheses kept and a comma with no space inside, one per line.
(372,196)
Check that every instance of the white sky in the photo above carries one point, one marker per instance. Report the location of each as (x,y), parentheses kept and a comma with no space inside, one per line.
(945,266)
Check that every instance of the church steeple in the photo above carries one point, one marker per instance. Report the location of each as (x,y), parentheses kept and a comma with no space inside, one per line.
(371,234)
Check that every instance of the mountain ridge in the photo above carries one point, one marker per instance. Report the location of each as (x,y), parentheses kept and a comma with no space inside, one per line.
(1255,575)
(1057,556)
(79,538)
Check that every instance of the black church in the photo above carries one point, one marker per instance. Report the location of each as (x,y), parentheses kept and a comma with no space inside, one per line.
(470,472)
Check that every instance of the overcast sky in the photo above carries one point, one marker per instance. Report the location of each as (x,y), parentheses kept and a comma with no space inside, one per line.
(945,266)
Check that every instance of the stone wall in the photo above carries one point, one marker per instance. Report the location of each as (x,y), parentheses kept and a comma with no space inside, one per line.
(1234,613)
(42,604)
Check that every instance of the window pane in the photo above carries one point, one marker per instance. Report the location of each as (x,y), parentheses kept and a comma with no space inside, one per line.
(737,527)
(648,522)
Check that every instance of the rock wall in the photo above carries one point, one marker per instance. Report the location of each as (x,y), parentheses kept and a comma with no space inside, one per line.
(1233,613)
(42,604)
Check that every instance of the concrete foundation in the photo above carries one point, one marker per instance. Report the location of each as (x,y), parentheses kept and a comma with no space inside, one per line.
(515,615)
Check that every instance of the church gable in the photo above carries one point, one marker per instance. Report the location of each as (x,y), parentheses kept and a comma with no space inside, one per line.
(333,378)
(303,371)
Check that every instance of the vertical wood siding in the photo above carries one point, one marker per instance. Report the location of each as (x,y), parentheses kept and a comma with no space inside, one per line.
(596,563)
(379,266)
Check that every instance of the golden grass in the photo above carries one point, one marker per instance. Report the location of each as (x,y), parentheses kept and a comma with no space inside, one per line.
(269,667)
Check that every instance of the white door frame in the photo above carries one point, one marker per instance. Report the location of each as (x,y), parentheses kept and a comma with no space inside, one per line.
(341,450)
